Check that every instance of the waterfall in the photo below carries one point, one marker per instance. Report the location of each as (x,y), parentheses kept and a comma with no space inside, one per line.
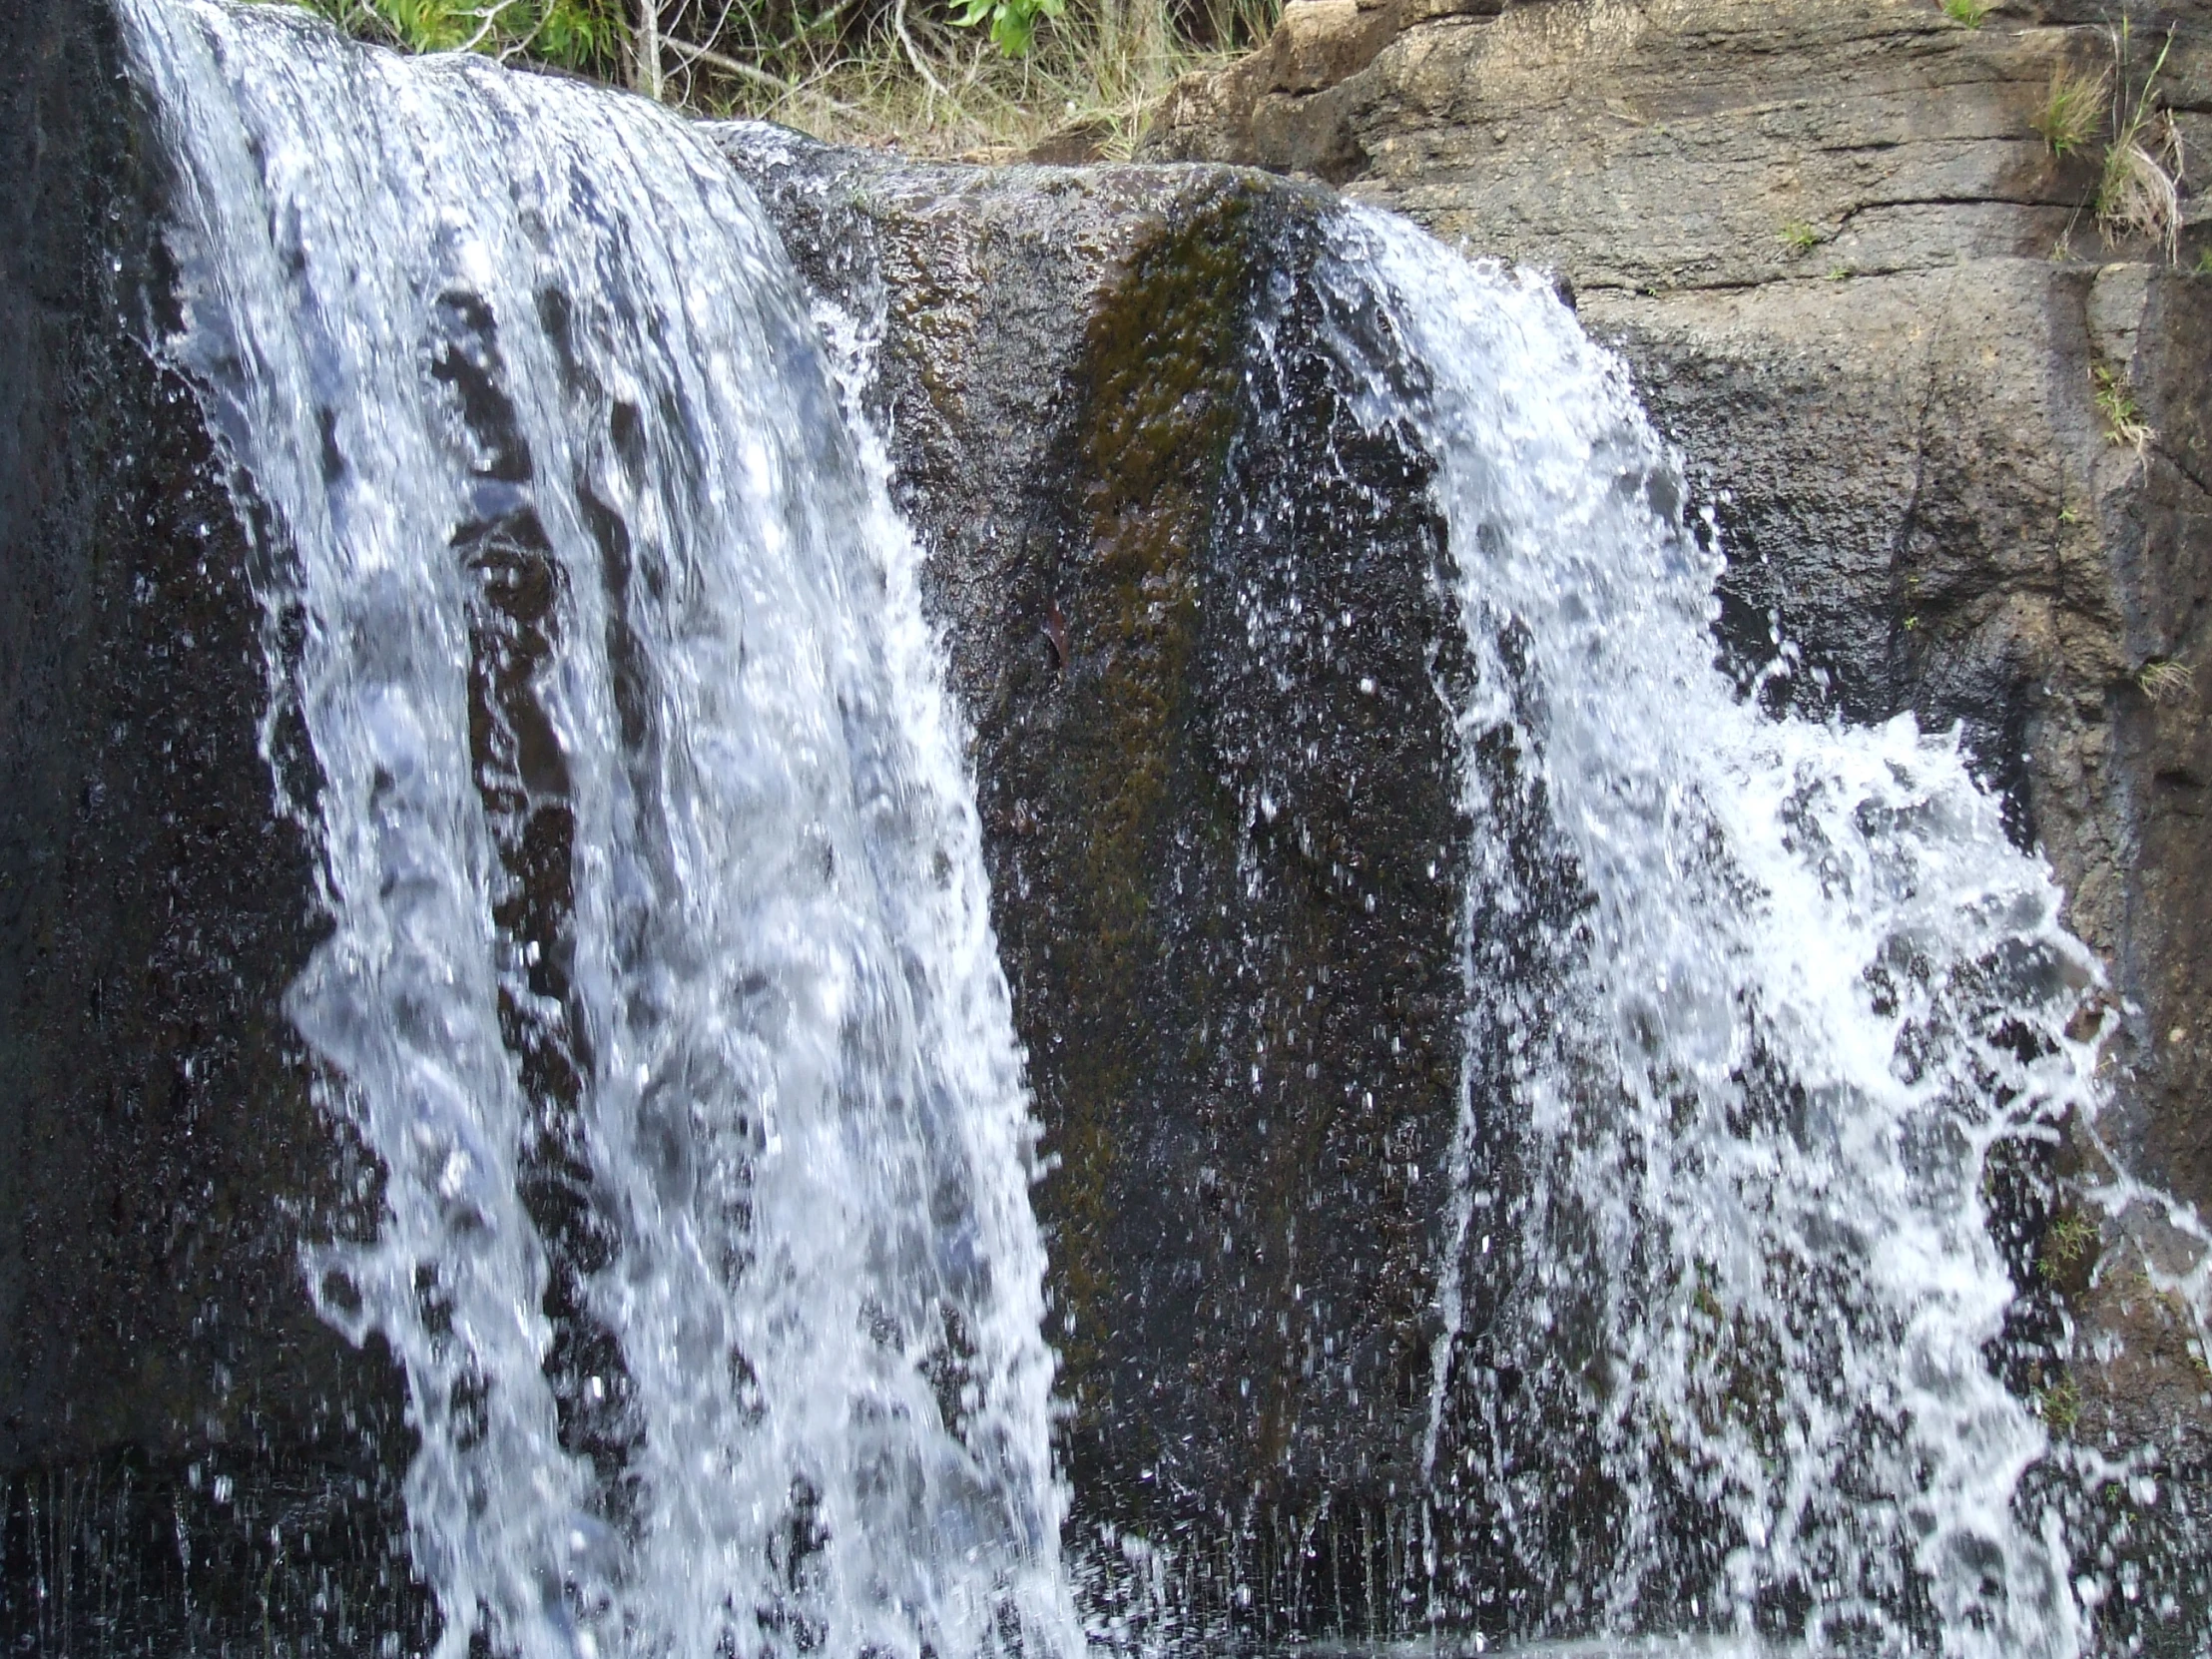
(1753,1006)
(659,977)
(658,982)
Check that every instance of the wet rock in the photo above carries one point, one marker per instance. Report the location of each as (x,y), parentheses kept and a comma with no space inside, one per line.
(1201,625)
(187,1452)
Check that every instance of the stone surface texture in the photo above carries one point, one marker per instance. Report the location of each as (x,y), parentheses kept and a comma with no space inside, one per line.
(183,1442)
(1203,630)
(1906,366)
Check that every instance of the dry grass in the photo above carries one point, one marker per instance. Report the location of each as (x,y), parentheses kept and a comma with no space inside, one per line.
(2138,189)
(2165,681)
(2139,192)
(946,92)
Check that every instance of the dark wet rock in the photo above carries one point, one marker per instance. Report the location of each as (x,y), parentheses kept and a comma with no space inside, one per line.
(187,1453)
(1202,628)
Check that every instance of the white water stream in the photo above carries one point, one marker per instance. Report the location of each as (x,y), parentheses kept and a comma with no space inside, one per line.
(659,980)
(661,985)
(1760,996)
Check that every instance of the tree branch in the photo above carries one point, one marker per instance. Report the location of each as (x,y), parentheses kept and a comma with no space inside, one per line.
(647,75)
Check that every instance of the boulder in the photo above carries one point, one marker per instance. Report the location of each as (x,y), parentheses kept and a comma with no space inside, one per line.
(1200,622)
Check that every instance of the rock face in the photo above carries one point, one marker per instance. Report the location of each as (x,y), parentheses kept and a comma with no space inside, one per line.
(1954,435)
(162,1373)
(1201,624)
(1198,621)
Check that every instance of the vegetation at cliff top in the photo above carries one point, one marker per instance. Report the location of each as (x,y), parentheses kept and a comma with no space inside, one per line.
(938,77)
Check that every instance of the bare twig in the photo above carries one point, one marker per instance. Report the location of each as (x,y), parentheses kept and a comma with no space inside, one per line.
(914,54)
(731,66)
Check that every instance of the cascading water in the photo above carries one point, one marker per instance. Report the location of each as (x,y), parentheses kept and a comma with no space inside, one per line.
(1753,1003)
(659,980)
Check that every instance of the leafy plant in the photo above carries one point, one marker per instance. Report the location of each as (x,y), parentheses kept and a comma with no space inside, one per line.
(2203,266)
(1013,22)
(587,36)
(2067,1240)
(2073,110)
(416,25)
(577,35)
(1799,237)
(2165,681)
(2124,419)
(1969,12)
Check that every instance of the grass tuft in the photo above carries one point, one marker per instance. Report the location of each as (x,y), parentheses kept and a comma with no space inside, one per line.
(2165,681)
(2123,418)
(2060,1405)
(1972,13)
(2072,111)
(1799,237)
(2067,1240)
